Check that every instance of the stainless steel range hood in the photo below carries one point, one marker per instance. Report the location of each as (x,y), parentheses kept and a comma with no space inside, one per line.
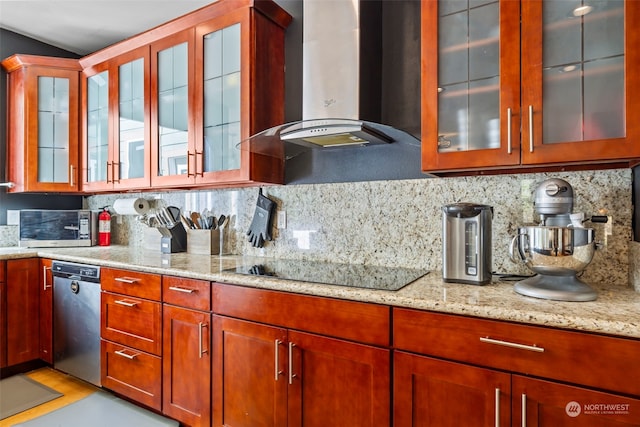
(340,82)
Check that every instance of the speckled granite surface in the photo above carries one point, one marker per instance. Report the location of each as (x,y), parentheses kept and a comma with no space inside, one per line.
(616,311)
(398,223)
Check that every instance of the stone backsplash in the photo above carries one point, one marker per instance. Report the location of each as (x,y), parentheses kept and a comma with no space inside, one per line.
(398,223)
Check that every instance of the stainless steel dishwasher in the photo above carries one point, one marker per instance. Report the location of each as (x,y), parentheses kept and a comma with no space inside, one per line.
(76,320)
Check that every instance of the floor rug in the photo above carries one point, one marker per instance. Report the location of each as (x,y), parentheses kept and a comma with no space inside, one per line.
(100,409)
(19,393)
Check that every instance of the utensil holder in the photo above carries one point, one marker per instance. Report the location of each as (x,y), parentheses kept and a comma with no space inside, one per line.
(203,242)
(174,239)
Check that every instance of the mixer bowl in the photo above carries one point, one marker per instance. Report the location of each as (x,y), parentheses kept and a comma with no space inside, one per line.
(553,251)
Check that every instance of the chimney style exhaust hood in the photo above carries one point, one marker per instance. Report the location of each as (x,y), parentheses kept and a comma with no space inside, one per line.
(341,86)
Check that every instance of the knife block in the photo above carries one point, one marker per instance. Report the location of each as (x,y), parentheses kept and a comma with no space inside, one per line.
(174,239)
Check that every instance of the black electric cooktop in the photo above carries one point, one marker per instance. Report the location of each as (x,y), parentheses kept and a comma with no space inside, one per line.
(352,275)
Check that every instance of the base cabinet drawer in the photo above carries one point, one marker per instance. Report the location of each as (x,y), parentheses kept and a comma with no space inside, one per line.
(133,322)
(132,373)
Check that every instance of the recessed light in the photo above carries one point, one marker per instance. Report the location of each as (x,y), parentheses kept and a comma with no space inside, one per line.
(568,68)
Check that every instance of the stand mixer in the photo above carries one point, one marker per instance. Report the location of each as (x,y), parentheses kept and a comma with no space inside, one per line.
(558,249)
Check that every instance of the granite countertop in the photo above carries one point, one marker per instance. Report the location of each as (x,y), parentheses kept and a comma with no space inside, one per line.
(615,312)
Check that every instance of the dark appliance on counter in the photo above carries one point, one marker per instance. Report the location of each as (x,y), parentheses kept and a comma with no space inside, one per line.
(76,320)
(328,273)
(42,228)
(466,243)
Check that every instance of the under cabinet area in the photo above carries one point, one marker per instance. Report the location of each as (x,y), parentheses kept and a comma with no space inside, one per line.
(268,372)
(512,371)
(131,332)
(42,124)
(513,84)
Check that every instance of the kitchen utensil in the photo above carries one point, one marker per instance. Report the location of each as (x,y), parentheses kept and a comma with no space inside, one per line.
(557,255)
(195,217)
(260,228)
(466,243)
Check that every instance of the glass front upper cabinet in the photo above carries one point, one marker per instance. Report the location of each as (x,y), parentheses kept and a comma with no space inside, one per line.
(97,144)
(132,128)
(222,81)
(42,123)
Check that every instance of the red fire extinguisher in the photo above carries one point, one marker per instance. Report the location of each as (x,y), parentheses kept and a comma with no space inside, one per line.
(104,227)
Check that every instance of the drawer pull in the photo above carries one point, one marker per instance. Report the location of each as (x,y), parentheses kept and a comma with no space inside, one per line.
(512,344)
(524,410)
(123,354)
(497,419)
(184,290)
(126,280)
(126,303)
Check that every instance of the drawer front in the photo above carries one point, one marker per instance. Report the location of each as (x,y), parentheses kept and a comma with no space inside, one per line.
(190,293)
(132,321)
(132,373)
(355,321)
(133,283)
(576,357)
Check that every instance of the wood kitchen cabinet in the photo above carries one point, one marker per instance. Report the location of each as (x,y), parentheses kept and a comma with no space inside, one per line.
(22,310)
(186,371)
(131,335)
(301,369)
(3,315)
(116,123)
(212,78)
(558,90)
(502,368)
(42,123)
(46,311)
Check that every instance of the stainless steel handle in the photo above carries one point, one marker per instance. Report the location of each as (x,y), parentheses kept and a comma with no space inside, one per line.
(44,277)
(201,154)
(512,344)
(509,149)
(183,290)
(201,351)
(524,410)
(123,354)
(126,303)
(531,128)
(126,280)
(72,181)
(189,154)
(108,181)
(277,358)
(497,419)
(113,172)
(291,374)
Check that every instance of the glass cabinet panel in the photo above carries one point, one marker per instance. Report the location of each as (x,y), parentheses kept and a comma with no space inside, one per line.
(97,127)
(583,70)
(173,110)
(53,129)
(468,75)
(131,134)
(222,99)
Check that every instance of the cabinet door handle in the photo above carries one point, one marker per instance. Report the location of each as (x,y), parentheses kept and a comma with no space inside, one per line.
(126,280)
(113,172)
(513,344)
(201,173)
(277,358)
(126,303)
(531,128)
(108,165)
(189,154)
(123,354)
(183,290)
(291,374)
(509,142)
(524,410)
(72,180)
(44,277)
(201,350)
(497,420)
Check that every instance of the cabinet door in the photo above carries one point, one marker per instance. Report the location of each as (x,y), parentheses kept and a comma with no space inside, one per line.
(432,392)
(173,157)
(98,129)
(3,317)
(335,382)
(23,327)
(43,123)
(470,84)
(46,311)
(249,374)
(186,365)
(580,85)
(544,403)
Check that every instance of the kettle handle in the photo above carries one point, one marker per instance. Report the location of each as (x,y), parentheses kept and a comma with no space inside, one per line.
(512,249)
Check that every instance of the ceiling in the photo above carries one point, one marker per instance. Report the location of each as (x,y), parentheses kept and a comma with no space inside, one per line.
(85,26)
